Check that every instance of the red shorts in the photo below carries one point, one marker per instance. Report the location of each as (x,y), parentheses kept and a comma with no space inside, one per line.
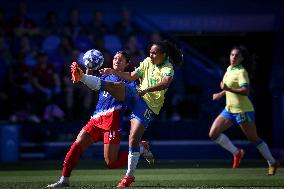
(108,120)
(109,137)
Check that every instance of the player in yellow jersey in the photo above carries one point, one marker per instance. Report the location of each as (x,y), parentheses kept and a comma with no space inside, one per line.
(239,110)
(155,73)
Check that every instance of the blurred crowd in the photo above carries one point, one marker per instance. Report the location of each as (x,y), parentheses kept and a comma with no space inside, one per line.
(35,61)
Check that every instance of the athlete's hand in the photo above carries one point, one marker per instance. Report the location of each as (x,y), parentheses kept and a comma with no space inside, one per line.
(76,72)
(106,71)
(217,96)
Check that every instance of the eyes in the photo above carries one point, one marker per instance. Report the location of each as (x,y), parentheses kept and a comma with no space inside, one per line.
(235,54)
(154,53)
(119,59)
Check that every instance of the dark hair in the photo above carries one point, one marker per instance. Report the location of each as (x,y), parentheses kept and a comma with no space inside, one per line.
(247,58)
(125,54)
(244,52)
(171,50)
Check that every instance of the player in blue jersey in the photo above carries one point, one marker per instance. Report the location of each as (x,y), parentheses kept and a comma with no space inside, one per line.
(155,73)
(105,125)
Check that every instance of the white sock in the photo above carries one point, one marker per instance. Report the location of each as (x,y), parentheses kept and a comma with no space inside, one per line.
(91,81)
(132,163)
(265,152)
(226,143)
(64,179)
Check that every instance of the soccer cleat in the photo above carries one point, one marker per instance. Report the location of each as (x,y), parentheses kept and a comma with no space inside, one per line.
(147,154)
(125,182)
(272,168)
(58,184)
(238,158)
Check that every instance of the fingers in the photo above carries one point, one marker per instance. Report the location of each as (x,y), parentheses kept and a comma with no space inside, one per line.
(105,71)
(102,71)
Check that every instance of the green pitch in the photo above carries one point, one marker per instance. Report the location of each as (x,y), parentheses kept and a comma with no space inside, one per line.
(163,175)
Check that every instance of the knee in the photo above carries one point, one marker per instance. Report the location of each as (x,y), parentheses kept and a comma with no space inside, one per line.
(213,134)
(83,140)
(133,141)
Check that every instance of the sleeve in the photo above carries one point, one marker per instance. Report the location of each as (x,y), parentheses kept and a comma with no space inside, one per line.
(168,71)
(243,79)
(92,82)
(141,69)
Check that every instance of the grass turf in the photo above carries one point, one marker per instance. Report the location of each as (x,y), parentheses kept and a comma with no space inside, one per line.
(162,175)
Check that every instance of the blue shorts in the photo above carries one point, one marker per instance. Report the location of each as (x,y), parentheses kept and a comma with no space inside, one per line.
(239,118)
(139,108)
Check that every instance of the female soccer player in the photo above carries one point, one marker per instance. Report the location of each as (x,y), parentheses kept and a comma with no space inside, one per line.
(104,125)
(238,110)
(156,74)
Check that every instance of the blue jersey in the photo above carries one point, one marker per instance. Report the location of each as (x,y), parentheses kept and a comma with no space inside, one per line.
(106,101)
(109,111)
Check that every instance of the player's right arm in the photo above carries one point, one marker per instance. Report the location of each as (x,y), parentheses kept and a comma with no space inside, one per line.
(218,96)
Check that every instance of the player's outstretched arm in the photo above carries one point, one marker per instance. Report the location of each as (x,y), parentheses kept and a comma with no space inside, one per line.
(129,76)
(92,82)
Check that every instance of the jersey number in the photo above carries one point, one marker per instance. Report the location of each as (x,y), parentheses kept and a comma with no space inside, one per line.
(148,114)
(105,94)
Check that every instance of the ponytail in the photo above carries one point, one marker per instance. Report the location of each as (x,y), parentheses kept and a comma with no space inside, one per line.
(175,55)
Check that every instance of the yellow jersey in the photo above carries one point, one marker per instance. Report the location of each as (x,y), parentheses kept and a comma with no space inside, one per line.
(151,74)
(236,77)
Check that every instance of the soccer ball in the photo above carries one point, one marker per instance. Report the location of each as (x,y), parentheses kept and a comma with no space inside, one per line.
(93,59)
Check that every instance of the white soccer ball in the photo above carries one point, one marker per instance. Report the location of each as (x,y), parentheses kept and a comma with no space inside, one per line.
(93,59)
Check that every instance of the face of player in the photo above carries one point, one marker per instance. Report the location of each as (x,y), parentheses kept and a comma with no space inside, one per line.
(235,57)
(156,55)
(119,62)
